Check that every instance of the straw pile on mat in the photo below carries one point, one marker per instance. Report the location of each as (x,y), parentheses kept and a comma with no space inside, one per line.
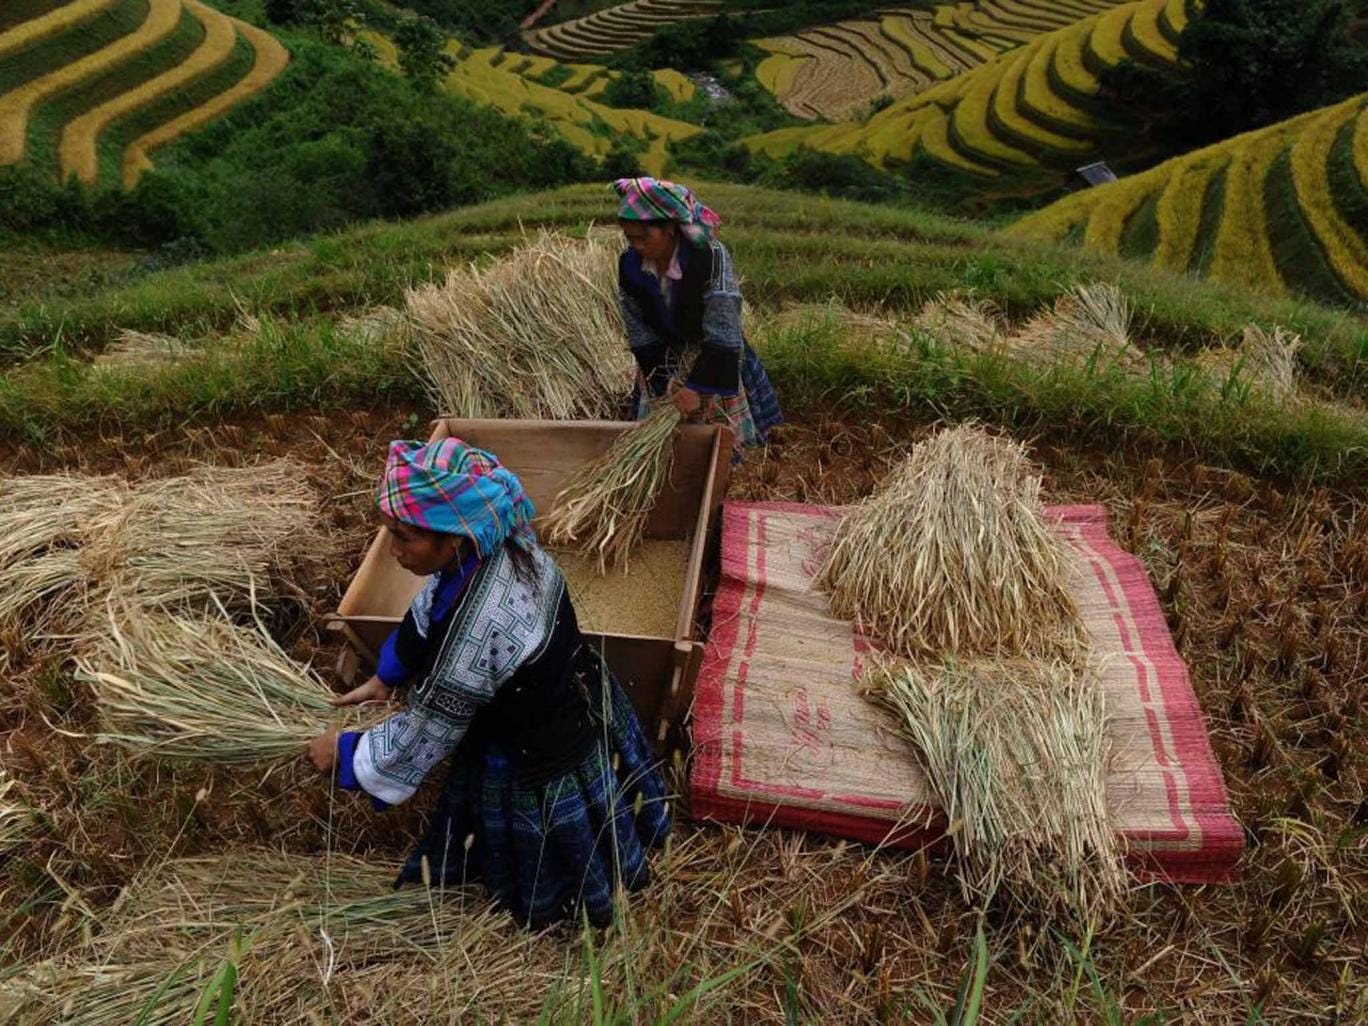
(200,689)
(953,566)
(68,539)
(538,333)
(954,555)
(301,933)
(1089,324)
(1016,751)
(603,509)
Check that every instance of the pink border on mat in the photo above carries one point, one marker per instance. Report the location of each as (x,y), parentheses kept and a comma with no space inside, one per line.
(1218,847)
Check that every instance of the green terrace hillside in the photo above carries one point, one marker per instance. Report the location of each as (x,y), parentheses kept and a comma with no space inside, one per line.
(1178,385)
(1022,116)
(92,88)
(1281,210)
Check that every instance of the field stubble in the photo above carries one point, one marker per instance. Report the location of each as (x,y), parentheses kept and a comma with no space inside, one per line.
(1266,592)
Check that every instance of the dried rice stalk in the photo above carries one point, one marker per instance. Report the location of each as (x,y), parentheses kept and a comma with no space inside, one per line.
(215,532)
(200,689)
(1265,359)
(142,349)
(375,327)
(168,933)
(953,555)
(537,334)
(1016,752)
(811,316)
(603,509)
(1089,324)
(43,518)
(959,320)
(16,818)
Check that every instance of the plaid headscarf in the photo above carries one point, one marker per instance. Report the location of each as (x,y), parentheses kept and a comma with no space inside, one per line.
(455,488)
(651,199)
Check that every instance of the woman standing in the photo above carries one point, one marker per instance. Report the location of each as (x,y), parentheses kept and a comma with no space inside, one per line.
(682,305)
(553,796)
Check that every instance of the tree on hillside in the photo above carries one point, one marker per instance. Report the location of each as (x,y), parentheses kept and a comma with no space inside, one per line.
(1243,64)
(422,54)
(329,17)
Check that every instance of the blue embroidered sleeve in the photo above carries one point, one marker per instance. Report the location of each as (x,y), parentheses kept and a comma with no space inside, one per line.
(346,769)
(391,669)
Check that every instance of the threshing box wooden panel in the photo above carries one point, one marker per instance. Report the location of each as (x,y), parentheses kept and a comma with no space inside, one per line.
(658,672)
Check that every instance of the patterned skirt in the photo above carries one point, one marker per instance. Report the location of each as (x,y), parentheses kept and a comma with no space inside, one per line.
(751,413)
(551,851)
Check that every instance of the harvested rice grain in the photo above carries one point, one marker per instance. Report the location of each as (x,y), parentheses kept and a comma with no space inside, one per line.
(643,600)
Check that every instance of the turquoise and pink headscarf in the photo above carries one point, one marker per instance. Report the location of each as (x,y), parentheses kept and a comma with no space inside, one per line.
(651,199)
(455,488)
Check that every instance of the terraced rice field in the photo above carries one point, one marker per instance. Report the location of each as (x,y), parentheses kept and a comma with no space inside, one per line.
(1029,109)
(614,28)
(1283,210)
(512,83)
(492,76)
(835,71)
(92,87)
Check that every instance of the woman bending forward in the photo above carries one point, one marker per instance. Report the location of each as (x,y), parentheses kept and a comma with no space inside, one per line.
(553,795)
(681,302)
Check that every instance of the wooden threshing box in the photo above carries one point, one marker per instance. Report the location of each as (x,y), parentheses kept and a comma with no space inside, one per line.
(657,670)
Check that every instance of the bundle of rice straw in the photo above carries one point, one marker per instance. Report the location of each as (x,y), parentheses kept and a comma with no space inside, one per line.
(1266,359)
(807,317)
(537,334)
(141,349)
(954,555)
(216,533)
(1016,752)
(200,689)
(959,320)
(603,509)
(302,932)
(1088,324)
(44,518)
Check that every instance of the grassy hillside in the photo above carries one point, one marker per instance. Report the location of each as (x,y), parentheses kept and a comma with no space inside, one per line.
(835,71)
(91,88)
(1282,210)
(1027,110)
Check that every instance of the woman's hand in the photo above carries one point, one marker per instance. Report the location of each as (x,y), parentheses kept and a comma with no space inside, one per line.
(687,400)
(374,690)
(323,750)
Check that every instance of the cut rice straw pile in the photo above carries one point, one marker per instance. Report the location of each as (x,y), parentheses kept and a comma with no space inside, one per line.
(538,334)
(225,533)
(200,689)
(43,520)
(1265,359)
(954,555)
(301,932)
(1089,324)
(1016,752)
(959,320)
(603,510)
(214,535)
